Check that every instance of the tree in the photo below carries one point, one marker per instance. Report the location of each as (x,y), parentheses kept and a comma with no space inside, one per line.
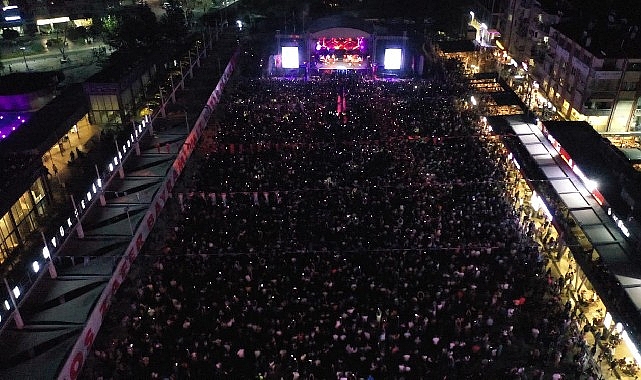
(77,33)
(173,24)
(10,34)
(133,27)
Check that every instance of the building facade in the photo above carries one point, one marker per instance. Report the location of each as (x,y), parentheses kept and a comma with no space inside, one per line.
(593,82)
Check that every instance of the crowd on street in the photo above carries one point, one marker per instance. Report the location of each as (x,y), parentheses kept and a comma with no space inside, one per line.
(345,228)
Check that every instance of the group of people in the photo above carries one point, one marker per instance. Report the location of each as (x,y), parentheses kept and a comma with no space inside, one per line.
(374,240)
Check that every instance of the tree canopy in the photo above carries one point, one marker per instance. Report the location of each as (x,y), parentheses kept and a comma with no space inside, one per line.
(131,28)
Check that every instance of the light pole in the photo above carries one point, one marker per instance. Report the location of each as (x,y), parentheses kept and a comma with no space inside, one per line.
(131,227)
(24,57)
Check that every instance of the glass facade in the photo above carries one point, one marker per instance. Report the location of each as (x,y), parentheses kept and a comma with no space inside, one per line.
(22,218)
(105,109)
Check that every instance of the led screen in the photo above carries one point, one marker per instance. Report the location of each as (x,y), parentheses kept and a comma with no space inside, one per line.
(290,57)
(392,59)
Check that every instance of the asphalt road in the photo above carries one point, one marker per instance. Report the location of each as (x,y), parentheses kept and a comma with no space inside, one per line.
(81,64)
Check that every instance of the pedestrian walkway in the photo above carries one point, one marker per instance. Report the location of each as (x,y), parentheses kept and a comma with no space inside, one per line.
(609,357)
(70,154)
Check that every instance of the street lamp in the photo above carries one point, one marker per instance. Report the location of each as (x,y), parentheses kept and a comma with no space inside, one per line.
(24,57)
(131,227)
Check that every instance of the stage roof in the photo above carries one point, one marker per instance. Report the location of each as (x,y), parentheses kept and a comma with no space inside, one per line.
(340,32)
(339,22)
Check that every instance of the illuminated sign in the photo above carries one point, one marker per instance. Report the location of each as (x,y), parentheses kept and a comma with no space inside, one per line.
(619,222)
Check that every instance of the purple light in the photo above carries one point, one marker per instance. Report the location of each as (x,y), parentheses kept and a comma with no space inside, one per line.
(11,122)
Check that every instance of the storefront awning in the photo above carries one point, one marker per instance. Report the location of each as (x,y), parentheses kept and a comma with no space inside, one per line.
(598,234)
(586,217)
(574,200)
(562,186)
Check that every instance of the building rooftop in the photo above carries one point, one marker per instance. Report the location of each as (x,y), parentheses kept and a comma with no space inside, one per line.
(602,162)
(43,128)
(458,46)
(21,151)
(605,35)
(20,83)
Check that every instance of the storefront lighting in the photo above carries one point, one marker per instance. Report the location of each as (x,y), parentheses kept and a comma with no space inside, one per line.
(16,292)
(631,347)
(516,163)
(35,266)
(534,201)
(591,185)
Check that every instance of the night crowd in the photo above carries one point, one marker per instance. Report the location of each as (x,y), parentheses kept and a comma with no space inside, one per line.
(344,228)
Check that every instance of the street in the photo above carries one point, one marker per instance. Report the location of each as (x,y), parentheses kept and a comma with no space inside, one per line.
(82,61)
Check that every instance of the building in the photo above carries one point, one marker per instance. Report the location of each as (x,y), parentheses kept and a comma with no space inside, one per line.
(116,92)
(592,72)
(25,180)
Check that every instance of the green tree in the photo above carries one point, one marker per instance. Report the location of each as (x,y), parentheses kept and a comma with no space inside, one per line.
(133,27)
(173,24)
(10,34)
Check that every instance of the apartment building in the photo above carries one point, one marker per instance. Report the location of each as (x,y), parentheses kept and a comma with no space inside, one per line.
(592,72)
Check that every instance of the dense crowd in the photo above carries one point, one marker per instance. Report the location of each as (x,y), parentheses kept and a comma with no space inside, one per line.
(344,228)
